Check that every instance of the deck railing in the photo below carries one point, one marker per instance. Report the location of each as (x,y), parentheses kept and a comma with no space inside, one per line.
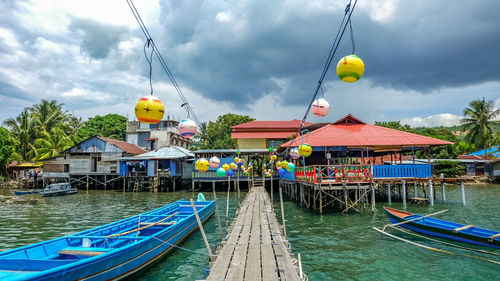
(402,171)
(334,173)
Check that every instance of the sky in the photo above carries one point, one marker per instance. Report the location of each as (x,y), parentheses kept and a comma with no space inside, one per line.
(424,60)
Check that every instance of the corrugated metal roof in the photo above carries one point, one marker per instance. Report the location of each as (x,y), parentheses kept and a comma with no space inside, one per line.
(352,132)
(169,152)
(294,124)
(125,146)
(261,135)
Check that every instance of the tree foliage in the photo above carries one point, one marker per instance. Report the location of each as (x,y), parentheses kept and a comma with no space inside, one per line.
(477,122)
(220,131)
(6,149)
(109,126)
(450,169)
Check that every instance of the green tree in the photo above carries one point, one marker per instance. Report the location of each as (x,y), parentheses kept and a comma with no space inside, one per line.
(51,144)
(23,132)
(395,125)
(6,149)
(477,122)
(47,115)
(220,131)
(110,126)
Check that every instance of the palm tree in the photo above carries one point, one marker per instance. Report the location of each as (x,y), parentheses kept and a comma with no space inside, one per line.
(477,122)
(23,131)
(52,144)
(47,115)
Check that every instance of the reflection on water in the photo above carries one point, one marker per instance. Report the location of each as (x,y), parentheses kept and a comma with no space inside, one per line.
(333,246)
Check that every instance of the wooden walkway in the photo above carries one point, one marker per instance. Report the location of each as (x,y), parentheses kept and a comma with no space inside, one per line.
(255,249)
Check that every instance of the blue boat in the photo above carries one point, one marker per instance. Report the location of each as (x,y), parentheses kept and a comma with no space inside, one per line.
(108,252)
(445,229)
(22,192)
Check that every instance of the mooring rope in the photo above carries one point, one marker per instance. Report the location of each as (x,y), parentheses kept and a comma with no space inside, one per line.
(141,228)
(179,247)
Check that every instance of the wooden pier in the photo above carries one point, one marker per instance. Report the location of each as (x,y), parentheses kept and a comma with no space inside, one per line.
(256,248)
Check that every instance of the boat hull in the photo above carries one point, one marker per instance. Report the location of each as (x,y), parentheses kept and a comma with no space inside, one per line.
(123,262)
(428,227)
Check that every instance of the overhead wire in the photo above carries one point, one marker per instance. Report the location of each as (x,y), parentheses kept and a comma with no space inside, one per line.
(340,33)
(165,67)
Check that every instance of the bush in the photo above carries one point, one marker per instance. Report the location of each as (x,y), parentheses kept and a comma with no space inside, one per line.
(450,169)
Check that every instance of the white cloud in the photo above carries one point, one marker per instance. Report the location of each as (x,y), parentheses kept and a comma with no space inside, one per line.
(223,16)
(8,38)
(444,119)
(380,10)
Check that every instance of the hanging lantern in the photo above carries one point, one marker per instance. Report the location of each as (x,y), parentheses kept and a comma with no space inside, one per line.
(202,165)
(233,166)
(284,163)
(149,109)
(294,153)
(187,128)
(350,68)
(282,172)
(221,172)
(226,167)
(320,107)
(271,149)
(236,160)
(230,173)
(279,167)
(291,167)
(214,162)
(305,150)
(274,157)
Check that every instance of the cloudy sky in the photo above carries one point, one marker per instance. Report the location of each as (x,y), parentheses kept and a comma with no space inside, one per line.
(425,60)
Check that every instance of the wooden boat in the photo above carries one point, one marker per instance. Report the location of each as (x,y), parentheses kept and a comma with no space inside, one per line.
(22,192)
(107,252)
(58,189)
(445,229)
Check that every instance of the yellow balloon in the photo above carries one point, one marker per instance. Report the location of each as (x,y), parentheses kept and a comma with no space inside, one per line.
(226,167)
(202,165)
(305,150)
(284,163)
(149,109)
(233,166)
(350,68)
(274,157)
(236,159)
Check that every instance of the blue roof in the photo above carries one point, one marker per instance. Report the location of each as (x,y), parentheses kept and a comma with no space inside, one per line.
(495,150)
(169,152)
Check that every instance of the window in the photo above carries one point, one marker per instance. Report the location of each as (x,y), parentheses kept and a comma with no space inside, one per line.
(66,168)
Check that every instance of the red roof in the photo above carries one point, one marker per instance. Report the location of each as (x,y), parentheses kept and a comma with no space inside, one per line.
(262,135)
(350,131)
(125,146)
(294,124)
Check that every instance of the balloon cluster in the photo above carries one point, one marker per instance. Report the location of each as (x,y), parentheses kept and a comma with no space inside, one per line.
(202,165)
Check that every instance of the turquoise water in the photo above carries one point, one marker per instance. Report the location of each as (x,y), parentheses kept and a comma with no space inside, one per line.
(332,246)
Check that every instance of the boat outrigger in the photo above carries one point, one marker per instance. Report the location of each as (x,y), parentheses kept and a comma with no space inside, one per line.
(444,229)
(107,252)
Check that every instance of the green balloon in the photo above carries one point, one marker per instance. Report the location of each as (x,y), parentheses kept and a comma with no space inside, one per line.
(270,149)
(221,172)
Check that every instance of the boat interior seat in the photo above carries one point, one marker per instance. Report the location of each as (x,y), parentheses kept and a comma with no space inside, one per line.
(493,237)
(80,251)
(456,230)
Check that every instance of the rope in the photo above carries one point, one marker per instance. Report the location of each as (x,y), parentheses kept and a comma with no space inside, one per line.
(150,62)
(179,247)
(141,228)
(165,67)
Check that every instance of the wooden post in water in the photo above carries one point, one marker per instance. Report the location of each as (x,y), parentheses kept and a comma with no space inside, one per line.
(227,204)
(192,185)
(283,214)
(124,180)
(462,189)
(389,193)
(238,182)
(443,192)
(320,201)
(217,211)
(415,191)
(200,225)
(272,171)
(373,197)
(403,187)
(431,193)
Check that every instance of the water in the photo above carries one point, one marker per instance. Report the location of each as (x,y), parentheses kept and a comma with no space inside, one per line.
(332,246)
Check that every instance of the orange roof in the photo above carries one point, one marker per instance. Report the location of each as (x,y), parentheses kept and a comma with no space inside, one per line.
(294,124)
(125,146)
(352,132)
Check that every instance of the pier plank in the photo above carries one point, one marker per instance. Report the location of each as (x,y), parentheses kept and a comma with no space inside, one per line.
(253,267)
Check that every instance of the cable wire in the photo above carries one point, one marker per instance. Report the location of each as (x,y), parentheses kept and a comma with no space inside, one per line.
(165,67)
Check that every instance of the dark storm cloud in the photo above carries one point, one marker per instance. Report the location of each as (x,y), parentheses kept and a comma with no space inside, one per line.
(424,46)
(97,38)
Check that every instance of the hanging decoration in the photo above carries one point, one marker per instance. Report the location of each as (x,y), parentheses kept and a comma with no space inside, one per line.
(305,150)
(202,165)
(187,128)
(226,167)
(350,68)
(233,166)
(273,158)
(282,172)
(149,109)
(294,153)
(271,150)
(214,162)
(230,173)
(236,160)
(221,172)
(320,107)
(291,167)
(284,163)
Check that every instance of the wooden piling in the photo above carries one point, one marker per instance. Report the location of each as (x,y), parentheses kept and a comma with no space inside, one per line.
(431,193)
(443,192)
(217,211)
(283,214)
(403,190)
(200,225)
(462,189)
(415,191)
(389,193)
(373,197)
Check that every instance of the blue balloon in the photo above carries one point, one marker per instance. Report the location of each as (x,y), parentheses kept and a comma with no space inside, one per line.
(281,172)
(230,173)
